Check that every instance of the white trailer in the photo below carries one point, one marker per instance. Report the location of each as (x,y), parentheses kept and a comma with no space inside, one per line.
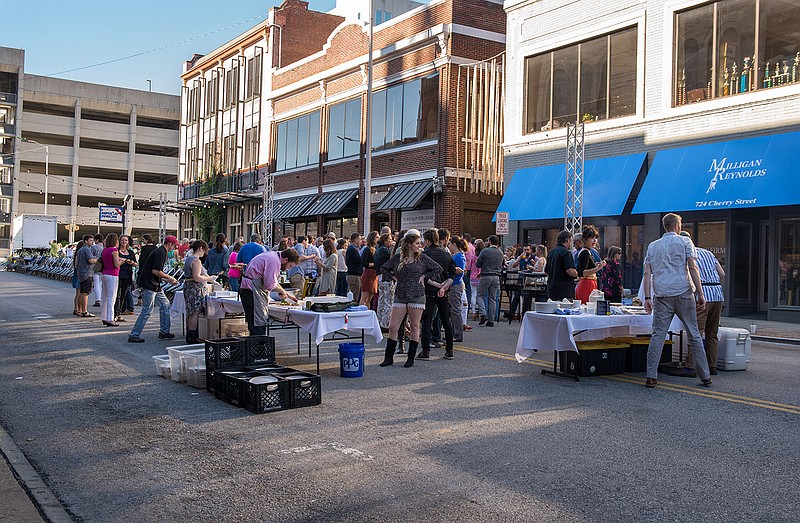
(33,231)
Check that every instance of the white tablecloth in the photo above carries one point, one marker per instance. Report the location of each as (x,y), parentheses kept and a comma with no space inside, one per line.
(317,323)
(557,332)
(321,323)
(178,306)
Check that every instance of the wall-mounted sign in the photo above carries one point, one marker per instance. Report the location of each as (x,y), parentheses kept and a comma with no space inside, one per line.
(423,220)
(501,225)
(110,214)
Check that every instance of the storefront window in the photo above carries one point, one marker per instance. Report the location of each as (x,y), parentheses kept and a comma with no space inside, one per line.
(729,30)
(590,81)
(742,262)
(789,263)
(711,236)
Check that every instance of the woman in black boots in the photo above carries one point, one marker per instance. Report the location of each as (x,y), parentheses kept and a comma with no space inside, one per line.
(194,288)
(410,268)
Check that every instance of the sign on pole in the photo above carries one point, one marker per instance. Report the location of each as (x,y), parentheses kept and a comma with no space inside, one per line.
(110,214)
(501,224)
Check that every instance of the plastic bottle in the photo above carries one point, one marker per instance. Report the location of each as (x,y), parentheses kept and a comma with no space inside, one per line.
(350,295)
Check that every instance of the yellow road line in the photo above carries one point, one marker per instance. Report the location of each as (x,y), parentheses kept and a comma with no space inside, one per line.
(706,393)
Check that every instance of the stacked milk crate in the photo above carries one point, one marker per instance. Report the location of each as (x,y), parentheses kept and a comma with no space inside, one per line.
(243,372)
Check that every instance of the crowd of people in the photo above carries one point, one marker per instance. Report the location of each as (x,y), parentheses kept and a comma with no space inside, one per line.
(424,287)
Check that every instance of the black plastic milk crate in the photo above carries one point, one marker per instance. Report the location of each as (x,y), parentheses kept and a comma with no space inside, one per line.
(216,382)
(224,353)
(266,397)
(259,350)
(303,388)
(235,383)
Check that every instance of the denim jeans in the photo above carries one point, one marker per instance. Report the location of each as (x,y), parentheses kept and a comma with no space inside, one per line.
(488,287)
(149,298)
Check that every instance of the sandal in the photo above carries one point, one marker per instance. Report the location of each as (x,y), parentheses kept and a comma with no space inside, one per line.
(86,314)
(76,313)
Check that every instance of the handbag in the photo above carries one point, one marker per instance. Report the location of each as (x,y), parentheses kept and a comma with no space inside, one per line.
(98,265)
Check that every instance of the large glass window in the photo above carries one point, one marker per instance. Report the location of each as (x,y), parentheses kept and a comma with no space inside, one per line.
(716,53)
(590,81)
(406,113)
(298,142)
(344,129)
(789,263)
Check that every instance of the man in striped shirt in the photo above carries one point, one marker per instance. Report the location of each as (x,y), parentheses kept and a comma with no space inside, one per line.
(711,274)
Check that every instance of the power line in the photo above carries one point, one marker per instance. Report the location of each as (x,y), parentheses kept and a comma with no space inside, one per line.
(174,44)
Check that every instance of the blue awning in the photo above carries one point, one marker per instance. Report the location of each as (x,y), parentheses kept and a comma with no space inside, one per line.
(754,172)
(538,193)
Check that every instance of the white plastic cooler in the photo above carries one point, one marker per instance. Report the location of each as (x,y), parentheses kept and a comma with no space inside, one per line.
(734,349)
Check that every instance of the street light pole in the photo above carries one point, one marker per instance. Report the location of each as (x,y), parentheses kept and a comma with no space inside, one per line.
(368,167)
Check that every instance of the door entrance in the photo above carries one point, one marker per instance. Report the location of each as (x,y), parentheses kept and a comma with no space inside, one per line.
(763,267)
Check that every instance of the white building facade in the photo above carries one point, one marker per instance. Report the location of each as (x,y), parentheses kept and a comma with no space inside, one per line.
(667,90)
(94,144)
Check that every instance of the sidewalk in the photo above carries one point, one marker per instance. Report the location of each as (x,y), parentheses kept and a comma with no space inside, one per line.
(771,331)
(17,505)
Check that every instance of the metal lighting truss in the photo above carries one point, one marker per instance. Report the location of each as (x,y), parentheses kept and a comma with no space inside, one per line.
(269,208)
(162,216)
(573,201)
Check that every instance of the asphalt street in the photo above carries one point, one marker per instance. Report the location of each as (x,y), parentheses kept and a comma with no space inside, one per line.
(479,438)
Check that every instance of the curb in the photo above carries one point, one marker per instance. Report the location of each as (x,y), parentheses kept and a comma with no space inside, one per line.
(44,499)
(770,339)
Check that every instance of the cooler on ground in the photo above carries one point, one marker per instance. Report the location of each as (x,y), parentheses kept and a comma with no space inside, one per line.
(734,349)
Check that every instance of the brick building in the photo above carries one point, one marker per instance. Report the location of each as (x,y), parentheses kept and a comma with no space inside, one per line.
(685,111)
(294,110)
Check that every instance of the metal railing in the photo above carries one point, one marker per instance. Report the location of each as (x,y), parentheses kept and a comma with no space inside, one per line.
(238,182)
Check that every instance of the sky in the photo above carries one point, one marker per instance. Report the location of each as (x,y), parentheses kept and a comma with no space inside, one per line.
(60,36)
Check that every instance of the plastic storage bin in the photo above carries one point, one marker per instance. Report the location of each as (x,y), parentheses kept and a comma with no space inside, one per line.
(175,360)
(162,365)
(734,349)
(596,358)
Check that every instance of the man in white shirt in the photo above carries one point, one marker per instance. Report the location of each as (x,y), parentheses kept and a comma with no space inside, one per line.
(671,261)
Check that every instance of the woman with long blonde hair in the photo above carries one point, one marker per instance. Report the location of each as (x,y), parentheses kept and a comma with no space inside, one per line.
(410,268)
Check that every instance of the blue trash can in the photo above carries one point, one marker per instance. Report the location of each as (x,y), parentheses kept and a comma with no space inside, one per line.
(351,360)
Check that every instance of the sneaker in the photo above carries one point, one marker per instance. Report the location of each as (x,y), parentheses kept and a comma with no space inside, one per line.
(96,304)
(706,383)
(126,313)
(483,320)
(651,383)
(424,355)
(165,335)
(135,339)
(448,354)
(436,344)
(489,324)
(712,371)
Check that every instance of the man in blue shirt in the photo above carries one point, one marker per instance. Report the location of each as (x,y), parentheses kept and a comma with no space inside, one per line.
(250,250)
(298,273)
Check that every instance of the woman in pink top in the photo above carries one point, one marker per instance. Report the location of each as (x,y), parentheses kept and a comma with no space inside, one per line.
(110,277)
(235,269)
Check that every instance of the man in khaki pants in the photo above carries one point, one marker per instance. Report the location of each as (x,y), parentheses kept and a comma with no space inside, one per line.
(711,275)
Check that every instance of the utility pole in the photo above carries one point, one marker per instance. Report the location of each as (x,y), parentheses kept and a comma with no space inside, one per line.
(368,167)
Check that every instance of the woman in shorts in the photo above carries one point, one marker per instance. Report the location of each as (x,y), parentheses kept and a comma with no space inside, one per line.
(410,268)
